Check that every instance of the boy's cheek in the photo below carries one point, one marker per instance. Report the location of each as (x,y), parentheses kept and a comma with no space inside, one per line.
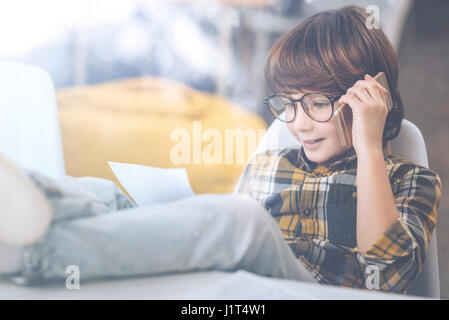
(292,131)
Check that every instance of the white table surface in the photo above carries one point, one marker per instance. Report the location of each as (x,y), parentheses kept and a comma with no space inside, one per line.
(197,285)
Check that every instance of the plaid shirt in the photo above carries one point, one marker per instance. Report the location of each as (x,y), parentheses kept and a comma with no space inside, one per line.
(316,210)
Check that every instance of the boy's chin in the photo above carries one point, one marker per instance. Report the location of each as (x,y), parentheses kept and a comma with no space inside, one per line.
(320,157)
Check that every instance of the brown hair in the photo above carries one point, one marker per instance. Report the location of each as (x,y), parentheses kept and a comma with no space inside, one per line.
(328,53)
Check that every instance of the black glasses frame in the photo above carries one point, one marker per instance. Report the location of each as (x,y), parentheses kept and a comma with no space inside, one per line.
(332,99)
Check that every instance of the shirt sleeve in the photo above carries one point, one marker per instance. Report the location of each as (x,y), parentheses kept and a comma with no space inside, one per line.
(396,258)
(258,166)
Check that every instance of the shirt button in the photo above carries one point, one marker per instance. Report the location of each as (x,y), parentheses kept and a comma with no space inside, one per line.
(354,194)
(307,211)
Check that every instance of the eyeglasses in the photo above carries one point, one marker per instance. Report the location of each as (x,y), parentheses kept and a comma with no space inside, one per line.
(317,106)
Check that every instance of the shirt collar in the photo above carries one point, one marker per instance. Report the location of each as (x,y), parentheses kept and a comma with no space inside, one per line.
(345,160)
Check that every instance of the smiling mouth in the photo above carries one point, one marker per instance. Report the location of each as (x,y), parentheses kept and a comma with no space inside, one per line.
(314,141)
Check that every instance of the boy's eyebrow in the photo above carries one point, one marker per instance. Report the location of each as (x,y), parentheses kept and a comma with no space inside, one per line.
(290,92)
(299,95)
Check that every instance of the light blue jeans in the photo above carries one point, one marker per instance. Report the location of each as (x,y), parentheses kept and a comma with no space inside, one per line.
(97,228)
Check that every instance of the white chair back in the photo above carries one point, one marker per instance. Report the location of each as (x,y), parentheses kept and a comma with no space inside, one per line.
(408,144)
(29,124)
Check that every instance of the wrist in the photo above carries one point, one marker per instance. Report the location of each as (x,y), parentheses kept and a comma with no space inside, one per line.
(371,153)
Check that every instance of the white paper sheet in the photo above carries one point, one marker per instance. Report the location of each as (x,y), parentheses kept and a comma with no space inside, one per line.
(151,185)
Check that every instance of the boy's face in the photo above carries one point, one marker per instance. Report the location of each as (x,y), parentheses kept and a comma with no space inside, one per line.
(305,129)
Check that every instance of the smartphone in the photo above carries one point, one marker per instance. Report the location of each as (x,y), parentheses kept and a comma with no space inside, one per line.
(343,114)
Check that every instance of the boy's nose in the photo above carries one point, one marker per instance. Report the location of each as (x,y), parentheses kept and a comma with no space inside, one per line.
(302,120)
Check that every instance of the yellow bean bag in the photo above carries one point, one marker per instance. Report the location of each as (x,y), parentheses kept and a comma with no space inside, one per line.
(156,122)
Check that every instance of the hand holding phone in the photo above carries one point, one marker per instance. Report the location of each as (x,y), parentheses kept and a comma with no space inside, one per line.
(343,114)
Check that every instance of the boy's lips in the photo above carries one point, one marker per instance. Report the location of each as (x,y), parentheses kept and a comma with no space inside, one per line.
(312,140)
(312,144)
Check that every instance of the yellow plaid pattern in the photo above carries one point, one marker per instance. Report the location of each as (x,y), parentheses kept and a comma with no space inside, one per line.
(315,208)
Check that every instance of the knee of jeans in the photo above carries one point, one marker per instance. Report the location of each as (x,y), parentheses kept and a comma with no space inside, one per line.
(250,211)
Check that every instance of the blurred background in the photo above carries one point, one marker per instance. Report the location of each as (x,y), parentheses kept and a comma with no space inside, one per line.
(146,67)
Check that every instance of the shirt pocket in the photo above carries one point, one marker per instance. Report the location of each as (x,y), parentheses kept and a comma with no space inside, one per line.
(341,212)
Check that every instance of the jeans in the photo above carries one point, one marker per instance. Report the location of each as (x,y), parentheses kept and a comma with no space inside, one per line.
(98,229)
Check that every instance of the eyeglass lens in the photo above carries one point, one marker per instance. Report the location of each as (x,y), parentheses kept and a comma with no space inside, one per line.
(317,106)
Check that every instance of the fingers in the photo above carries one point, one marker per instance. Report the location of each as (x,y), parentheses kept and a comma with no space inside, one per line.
(368,87)
(360,92)
(368,90)
(350,100)
(381,91)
